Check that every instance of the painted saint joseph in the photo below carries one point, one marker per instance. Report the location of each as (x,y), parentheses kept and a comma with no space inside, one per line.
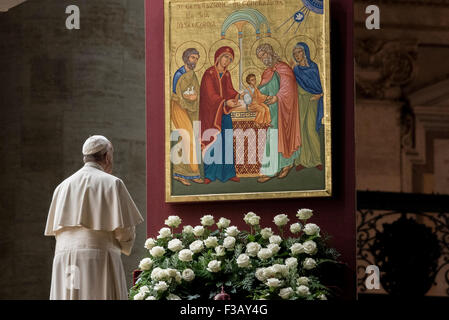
(278,82)
(184,110)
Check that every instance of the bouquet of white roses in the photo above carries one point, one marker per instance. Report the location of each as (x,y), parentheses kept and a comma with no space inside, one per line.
(255,264)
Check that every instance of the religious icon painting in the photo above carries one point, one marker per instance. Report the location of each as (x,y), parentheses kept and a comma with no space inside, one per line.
(247,99)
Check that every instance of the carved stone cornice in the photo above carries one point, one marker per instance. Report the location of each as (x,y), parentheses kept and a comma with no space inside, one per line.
(383,67)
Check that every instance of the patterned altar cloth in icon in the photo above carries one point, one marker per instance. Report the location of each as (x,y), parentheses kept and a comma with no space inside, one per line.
(244,120)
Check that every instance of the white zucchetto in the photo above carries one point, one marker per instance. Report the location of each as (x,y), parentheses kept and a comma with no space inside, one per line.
(94,144)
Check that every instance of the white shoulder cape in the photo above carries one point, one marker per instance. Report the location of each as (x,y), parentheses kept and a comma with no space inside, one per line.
(93,199)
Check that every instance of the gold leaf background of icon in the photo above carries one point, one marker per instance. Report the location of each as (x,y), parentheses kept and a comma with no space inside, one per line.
(193,25)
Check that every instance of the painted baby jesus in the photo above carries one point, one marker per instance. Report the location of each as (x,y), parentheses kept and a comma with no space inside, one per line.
(256,101)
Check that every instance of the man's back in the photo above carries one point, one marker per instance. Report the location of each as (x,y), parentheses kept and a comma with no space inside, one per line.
(93,199)
(93,219)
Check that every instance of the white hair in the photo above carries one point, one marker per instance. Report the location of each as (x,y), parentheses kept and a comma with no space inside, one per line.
(268,48)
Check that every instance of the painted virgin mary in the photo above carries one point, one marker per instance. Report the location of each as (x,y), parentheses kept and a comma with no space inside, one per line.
(217,99)
(310,96)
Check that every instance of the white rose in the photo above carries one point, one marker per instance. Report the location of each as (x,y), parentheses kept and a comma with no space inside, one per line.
(151,298)
(274,248)
(243,261)
(286,293)
(322,297)
(229,242)
(145,264)
(266,233)
(232,231)
(175,245)
(164,274)
(172,273)
(311,229)
(172,296)
(269,272)
(297,248)
(185,255)
(275,239)
(277,267)
(304,214)
(196,246)
(161,286)
(281,220)
(260,274)
(264,254)
(214,266)
(188,275)
(139,296)
(302,291)
(281,269)
(156,274)
(223,223)
(207,220)
(302,281)
(310,247)
(211,242)
(291,262)
(274,282)
(248,216)
(220,251)
(144,289)
(198,231)
(252,219)
(150,243)
(309,264)
(285,270)
(173,221)
(164,233)
(295,228)
(157,251)
(253,248)
(187,229)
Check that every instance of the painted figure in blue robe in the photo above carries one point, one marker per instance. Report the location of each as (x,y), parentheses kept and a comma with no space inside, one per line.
(217,100)
(310,94)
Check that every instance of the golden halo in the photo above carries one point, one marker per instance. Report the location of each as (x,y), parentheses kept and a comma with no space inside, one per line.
(248,71)
(191,44)
(225,43)
(270,40)
(292,43)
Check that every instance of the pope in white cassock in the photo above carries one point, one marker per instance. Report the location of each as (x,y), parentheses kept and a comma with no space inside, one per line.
(93,218)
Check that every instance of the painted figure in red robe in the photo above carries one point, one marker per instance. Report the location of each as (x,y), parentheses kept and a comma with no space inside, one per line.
(217,99)
(283,141)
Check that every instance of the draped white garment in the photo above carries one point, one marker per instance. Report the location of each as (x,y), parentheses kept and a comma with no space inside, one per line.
(93,218)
